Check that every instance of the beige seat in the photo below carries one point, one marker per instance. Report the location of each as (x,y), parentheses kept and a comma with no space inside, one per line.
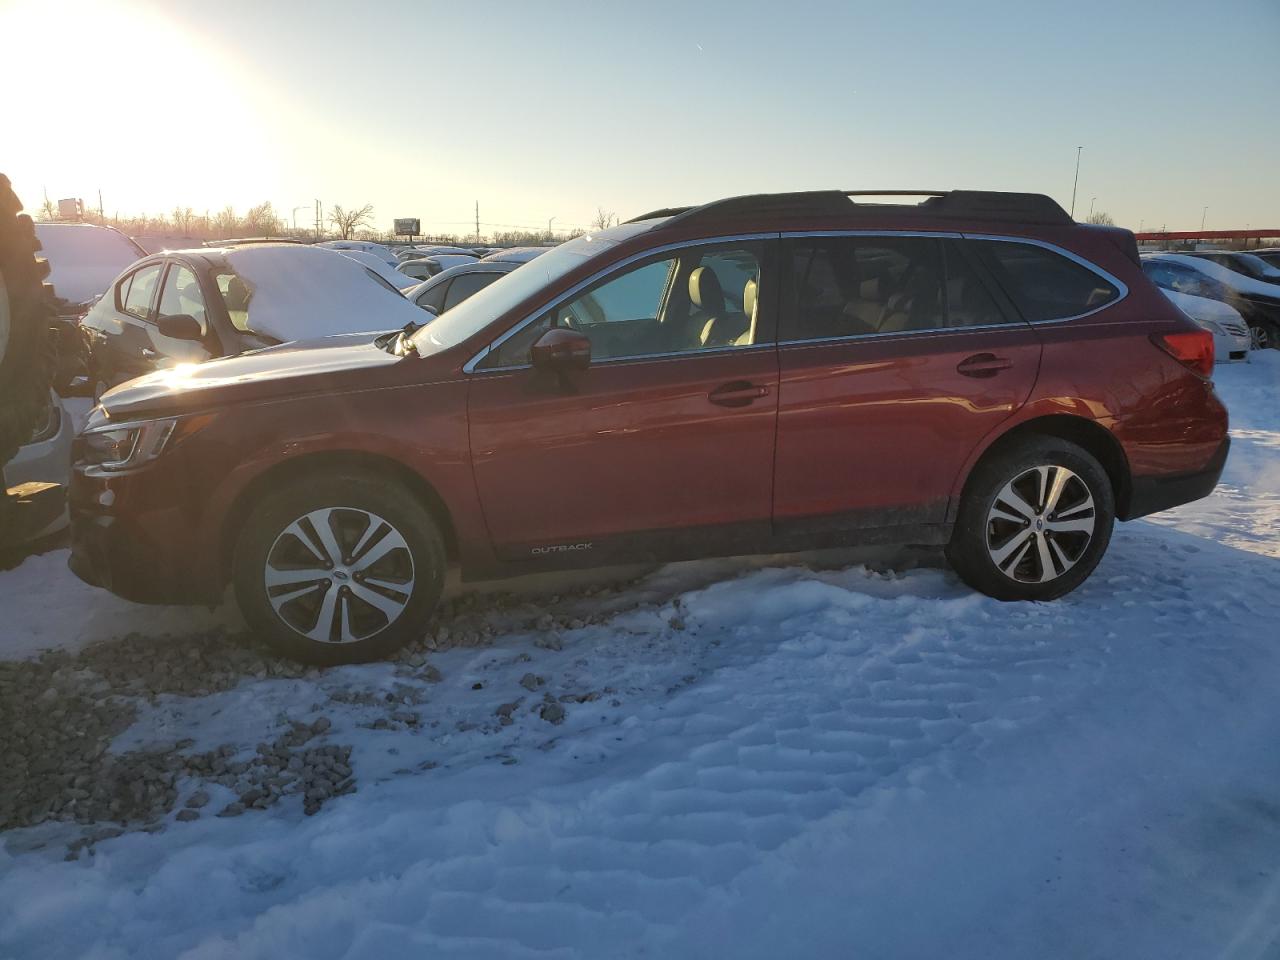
(720,327)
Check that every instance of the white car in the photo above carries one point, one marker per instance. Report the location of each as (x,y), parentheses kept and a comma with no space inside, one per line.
(379,250)
(1230,332)
(427,267)
(386,272)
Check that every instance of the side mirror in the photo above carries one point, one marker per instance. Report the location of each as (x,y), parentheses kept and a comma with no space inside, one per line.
(561,350)
(180,326)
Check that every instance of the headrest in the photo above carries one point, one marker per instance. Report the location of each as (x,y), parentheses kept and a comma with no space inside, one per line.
(749,297)
(237,295)
(869,289)
(704,290)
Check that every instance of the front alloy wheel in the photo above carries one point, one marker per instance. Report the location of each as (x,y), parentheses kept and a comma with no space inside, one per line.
(339,568)
(1040,524)
(1260,337)
(339,575)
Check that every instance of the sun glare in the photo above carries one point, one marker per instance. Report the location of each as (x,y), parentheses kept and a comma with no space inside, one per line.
(153,108)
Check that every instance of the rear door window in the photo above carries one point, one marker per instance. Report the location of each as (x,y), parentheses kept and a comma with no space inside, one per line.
(181,295)
(142,288)
(467,284)
(1043,284)
(856,286)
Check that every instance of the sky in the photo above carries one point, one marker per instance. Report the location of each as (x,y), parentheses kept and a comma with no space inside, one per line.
(554,109)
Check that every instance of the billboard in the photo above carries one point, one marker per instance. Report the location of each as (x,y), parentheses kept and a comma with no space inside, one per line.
(408,226)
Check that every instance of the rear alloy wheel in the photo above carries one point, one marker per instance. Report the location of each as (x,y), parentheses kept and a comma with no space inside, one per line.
(341,569)
(1040,524)
(1034,521)
(1262,336)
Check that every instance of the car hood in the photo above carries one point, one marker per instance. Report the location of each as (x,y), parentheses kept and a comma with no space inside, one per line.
(328,365)
(1202,308)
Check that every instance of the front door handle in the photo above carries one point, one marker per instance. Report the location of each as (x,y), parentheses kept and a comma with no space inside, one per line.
(149,354)
(737,393)
(983,365)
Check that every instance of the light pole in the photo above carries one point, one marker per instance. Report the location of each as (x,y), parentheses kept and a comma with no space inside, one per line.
(1091,207)
(549,219)
(1203,214)
(1075,183)
(295,215)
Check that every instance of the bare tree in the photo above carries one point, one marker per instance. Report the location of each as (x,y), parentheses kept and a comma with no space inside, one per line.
(225,221)
(261,220)
(48,210)
(1101,217)
(604,219)
(348,221)
(183,219)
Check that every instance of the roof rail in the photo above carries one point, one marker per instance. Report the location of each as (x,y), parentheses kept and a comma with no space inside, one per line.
(947,204)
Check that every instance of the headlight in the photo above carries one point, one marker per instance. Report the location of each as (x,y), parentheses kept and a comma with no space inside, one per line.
(1210,325)
(127,446)
(113,448)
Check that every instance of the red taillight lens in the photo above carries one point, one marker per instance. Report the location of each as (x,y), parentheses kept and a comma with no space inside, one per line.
(1193,349)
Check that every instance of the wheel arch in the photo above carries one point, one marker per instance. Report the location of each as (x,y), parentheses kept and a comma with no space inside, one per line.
(1086,433)
(308,465)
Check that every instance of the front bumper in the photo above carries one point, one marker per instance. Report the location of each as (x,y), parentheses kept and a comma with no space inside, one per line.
(128,537)
(1149,495)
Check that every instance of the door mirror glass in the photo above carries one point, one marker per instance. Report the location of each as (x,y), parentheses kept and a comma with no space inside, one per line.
(561,350)
(180,326)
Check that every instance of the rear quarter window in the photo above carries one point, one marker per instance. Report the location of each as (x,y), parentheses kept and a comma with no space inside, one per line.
(1045,285)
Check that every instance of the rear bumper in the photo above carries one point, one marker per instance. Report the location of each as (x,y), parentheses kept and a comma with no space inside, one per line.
(1149,495)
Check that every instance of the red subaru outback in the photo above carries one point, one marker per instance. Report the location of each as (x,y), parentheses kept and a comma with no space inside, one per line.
(763,373)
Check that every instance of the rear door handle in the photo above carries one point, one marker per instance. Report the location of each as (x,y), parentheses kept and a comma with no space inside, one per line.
(149,354)
(737,393)
(983,365)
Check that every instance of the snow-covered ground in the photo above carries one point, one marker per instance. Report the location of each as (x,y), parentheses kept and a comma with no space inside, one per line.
(756,759)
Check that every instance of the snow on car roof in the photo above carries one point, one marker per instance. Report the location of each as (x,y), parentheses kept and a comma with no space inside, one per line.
(1216,271)
(301,292)
(380,267)
(84,258)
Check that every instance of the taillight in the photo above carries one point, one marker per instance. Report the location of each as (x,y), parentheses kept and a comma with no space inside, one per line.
(1193,348)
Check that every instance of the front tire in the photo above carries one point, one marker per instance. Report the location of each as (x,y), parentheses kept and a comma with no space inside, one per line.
(1034,521)
(341,568)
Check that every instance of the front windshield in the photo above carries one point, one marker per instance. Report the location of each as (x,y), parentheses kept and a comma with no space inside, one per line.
(481,309)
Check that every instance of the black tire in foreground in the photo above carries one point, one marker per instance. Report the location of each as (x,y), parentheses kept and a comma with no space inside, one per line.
(1034,521)
(341,568)
(27,313)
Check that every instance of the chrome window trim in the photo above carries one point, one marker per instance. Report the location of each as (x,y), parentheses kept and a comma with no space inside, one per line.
(894,334)
(470,365)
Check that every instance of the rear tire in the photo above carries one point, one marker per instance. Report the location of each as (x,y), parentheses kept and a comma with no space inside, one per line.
(1034,521)
(341,568)
(1263,336)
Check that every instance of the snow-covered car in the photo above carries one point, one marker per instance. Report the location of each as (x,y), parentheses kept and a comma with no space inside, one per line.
(379,250)
(428,267)
(188,306)
(1230,332)
(83,260)
(1255,300)
(1247,264)
(450,287)
(45,459)
(418,251)
(384,271)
